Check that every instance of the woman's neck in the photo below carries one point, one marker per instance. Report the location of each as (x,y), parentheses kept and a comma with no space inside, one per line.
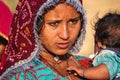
(47,56)
(60,66)
(53,57)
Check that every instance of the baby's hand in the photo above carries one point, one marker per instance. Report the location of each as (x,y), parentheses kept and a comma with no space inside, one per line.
(72,70)
(77,71)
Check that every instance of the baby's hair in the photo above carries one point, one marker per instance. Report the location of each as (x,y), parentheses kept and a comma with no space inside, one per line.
(107,30)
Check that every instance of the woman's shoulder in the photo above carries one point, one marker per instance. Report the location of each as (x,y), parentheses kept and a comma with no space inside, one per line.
(38,70)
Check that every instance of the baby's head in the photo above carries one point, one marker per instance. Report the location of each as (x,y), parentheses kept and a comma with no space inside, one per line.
(108,31)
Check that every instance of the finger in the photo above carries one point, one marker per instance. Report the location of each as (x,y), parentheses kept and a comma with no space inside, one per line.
(71,68)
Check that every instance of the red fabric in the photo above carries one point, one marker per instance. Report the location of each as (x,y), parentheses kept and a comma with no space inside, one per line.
(5,19)
(22,38)
(4,56)
(85,62)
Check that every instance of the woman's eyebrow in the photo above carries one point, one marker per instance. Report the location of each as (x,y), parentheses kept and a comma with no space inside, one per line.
(76,18)
(59,20)
(49,21)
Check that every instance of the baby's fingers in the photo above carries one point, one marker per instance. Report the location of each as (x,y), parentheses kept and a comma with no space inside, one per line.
(72,68)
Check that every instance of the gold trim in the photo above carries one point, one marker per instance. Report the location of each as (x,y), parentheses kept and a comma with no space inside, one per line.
(4,36)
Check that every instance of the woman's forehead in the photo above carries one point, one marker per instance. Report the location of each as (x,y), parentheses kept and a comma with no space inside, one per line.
(62,11)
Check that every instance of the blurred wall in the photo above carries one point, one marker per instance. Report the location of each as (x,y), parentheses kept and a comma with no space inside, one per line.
(92,8)
(11,4)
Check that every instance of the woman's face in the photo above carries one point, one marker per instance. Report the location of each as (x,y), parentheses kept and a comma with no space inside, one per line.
(61,28)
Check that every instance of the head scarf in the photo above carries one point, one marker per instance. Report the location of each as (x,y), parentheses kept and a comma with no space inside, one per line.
(24,46)
(5,20)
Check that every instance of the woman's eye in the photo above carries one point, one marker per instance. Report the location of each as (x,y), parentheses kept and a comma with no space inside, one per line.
(73,21)
(54,24)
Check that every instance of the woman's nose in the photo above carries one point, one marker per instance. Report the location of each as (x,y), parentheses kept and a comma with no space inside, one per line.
(64,32)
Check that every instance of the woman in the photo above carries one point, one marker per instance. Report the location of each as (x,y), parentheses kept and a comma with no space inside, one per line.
(45,51)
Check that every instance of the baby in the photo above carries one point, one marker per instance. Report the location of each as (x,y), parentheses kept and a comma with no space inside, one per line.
(106,63)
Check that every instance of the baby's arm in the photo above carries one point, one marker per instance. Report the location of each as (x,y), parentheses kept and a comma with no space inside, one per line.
(99,72)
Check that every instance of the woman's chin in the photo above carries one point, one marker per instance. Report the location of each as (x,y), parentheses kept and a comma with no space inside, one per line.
(61,53)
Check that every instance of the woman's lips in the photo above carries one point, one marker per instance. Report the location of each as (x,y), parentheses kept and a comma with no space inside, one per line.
(62,45)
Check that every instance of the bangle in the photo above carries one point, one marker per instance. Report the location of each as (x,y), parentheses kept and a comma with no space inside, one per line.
(83,72)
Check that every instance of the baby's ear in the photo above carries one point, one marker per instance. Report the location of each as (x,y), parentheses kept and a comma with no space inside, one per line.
(100,45)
